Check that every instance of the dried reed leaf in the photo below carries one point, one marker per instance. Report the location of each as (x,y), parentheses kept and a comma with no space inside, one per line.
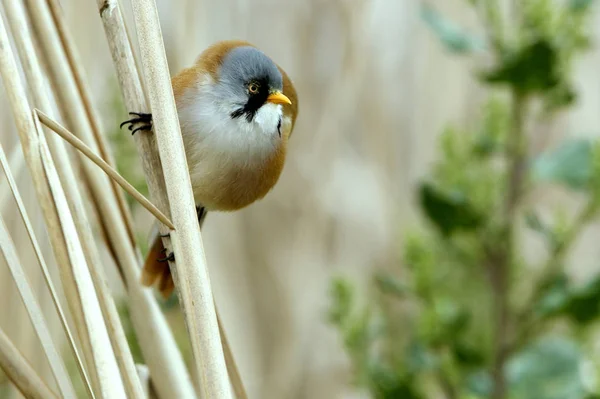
(59,371)
(92,331)
(110,382)
(20,372)
(85,150)
(76,69)
(17,165)
(34,76)
(38,253)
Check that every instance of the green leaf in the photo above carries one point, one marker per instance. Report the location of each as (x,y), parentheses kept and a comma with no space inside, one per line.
(467,354)
(453,37)
(560,97)
(584,303)
(419,358)
(533,68)
(388,284)
(532,220)
(342,296)
(570,164)
(548,369)
(449,211)
(580,5)
(554,296)
(480,383)
(452,318)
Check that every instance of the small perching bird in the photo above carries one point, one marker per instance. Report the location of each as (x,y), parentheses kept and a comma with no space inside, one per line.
(237,110)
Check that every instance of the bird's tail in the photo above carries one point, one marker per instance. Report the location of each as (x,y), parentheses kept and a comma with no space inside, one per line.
(157,271)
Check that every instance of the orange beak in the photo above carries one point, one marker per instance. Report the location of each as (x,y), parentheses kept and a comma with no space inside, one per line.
(278,98)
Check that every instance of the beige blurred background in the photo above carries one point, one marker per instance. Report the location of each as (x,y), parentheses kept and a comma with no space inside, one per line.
(375,89)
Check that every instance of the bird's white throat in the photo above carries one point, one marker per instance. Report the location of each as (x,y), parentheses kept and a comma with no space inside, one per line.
(207,127)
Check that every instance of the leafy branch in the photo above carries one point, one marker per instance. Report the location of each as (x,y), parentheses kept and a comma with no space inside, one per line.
(465,324)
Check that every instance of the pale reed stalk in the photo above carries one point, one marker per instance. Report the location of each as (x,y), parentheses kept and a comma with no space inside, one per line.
(20,372)
(22,36)
(127,73)
(57,366)
(77,282)
(156,341)
(191,273)
(12,185)
(84,92)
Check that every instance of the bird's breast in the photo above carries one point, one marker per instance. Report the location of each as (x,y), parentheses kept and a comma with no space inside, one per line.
(225,181)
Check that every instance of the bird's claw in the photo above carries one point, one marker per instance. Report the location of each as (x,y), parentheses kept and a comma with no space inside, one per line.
(144,119)
(169,257)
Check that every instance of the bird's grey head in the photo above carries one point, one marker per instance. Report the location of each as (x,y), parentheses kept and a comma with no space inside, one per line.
(250,80)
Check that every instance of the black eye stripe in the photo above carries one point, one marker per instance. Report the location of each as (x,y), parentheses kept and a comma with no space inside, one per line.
(279,127)
(255,100)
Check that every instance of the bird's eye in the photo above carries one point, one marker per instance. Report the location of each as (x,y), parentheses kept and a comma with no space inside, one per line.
(253,88)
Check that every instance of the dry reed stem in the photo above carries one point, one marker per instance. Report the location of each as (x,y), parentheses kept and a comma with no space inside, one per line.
(59,371)
(134,97)
(17,165)
(40,258)
(84,92)
(20,372)
(74,112)
(34,76)
(232,369)
(113,174)
(191,274)
(156,341)
(168,371)
(110,382)
(175,376)
(69,255)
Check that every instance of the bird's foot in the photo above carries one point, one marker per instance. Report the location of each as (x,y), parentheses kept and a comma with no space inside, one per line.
(200,212)
(169,257)
(144,119)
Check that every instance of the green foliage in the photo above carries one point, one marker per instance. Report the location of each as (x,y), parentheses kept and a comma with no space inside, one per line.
(570,164)
(529,69)
(547,369)
(452,36)
(449,211)
(465,314)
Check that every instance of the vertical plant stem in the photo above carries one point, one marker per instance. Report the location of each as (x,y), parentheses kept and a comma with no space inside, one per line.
(59,371)
(191,274)
(77,283)
(92,115)
(156,341)
(500,263)
(35,78)
(45,272)
(168,372)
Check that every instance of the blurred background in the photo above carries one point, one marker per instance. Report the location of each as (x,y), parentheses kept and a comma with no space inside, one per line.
(378,81)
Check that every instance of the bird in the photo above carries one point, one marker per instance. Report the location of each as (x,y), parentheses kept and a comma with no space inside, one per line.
(237,110)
